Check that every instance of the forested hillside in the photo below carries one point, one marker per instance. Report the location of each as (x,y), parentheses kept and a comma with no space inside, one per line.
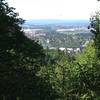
(28,72)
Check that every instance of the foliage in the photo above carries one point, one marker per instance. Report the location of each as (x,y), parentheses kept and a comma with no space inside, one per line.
(28,72)
(66,39)
(74,79)
(20,59)
(95,29)
(87,55)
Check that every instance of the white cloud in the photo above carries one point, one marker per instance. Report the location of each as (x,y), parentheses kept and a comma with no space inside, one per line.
(55,9)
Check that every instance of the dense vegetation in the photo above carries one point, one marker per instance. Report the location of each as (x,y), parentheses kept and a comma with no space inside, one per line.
(66,39)
(27,72)
(20,59)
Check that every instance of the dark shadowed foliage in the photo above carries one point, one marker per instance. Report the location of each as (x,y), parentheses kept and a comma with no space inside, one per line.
(20,59)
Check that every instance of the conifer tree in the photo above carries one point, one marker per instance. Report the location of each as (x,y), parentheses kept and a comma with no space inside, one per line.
(20,59)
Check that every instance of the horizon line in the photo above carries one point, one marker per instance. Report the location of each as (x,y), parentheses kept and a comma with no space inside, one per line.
(56,19)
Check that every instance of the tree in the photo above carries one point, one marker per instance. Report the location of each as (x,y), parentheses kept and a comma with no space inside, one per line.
(95,29)
(20,59)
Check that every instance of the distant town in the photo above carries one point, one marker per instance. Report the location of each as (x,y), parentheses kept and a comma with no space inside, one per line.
(68,37)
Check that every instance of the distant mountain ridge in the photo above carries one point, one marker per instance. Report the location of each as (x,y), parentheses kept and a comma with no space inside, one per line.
(55,21)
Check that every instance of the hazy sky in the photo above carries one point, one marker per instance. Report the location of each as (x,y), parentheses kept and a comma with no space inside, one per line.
(55,9)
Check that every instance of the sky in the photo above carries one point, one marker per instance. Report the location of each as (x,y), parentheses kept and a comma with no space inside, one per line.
(55,9)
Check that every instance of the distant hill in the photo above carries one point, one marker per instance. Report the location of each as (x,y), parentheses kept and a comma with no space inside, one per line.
(56,22)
